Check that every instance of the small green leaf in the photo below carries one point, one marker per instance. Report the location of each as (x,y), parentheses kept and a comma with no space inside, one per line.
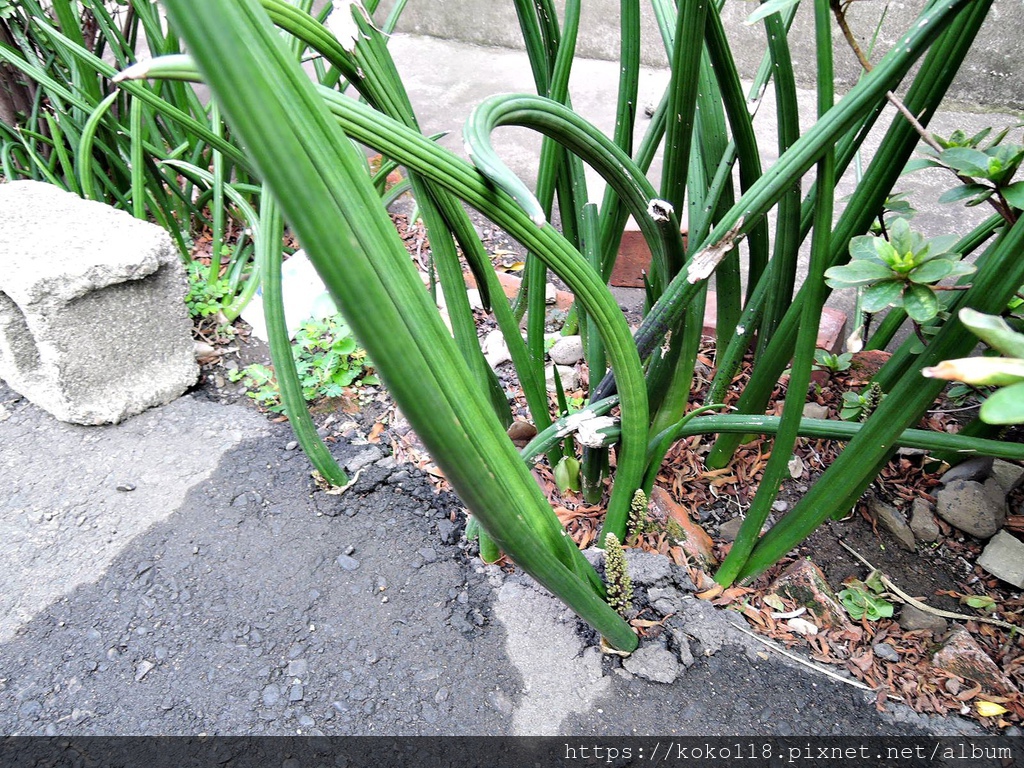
(863,248)
(567,474)
(939,246)
(900,237)
(980,602)
(981,198)
(918,163)
(994,331)
(920,303)
(857,273)
(931,271)
(970,162)
(961,268)
(1014,194)
(1005,406)
(881,295)
(962,193)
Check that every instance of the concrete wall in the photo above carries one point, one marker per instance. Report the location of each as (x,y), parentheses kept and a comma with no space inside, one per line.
(992,77)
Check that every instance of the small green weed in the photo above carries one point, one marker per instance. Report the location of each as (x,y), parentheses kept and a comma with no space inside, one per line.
(327,357)
(827,361)
(864,599)
(205,298)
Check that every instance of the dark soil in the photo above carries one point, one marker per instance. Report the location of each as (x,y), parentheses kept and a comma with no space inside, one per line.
(928,574)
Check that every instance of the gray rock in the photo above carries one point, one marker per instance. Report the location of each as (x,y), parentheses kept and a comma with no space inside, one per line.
(271,695)
(568,350)
(1007,474)
(669,594)
(894,522)
(815,411)
(69,266)
(922,521)
(570,377)
(977,509)
(495,349)
(978,469)
(912,618)
(653,663)
(364,458)
(648,569)
(143,669)
(347,562)
(500,701)
(730,528)
(701,620)
(885,652)
(1003,557)
(295,693)
(297,668)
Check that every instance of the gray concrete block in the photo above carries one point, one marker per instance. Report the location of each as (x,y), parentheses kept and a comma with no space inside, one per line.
(93,325)
(990,75)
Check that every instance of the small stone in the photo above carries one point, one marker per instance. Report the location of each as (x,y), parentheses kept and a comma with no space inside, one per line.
(972,507)
(1003,557)
(647,568)
(653,663)
(922,521)
(428,554)
(292,445)
(664,600)
(305,721)
(690,536)
(143,669)
(1008,475)
(570,377)
(978,469)
(961,655)
(893,521)
(804,583)
(347,562)
(441,695)
(271,695)
(780,506)
(815,411)
(500,701)
(521,433)
(30,708)
(912,618)
(295,693)
(364,458)
(495,349)
(126,487)
(568,350)
(550,293)
(297,668)
(885,652)
(730,528)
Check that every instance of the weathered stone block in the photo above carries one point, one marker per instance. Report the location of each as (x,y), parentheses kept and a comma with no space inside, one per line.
(93,326)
